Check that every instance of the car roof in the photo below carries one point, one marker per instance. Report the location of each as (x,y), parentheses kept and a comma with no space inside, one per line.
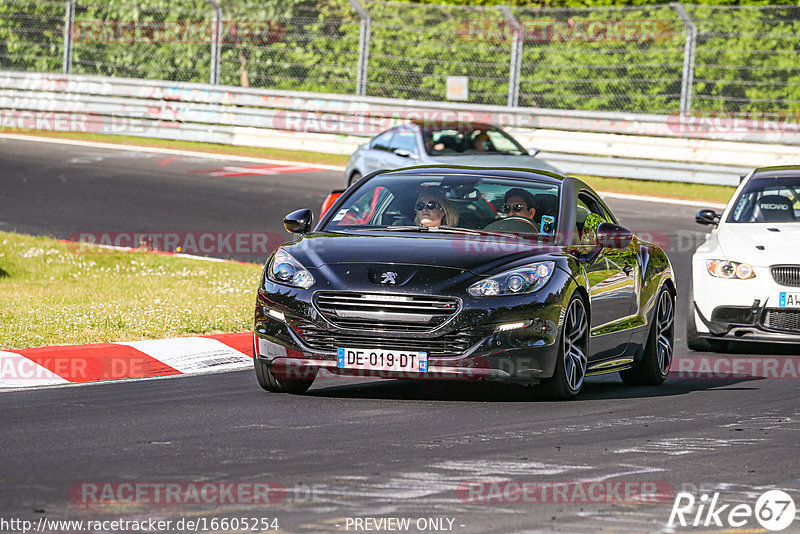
(499,172)
(782,171)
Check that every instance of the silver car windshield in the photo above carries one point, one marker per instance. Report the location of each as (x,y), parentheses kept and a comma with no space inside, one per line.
(470,141)
(468,202)
(768,200)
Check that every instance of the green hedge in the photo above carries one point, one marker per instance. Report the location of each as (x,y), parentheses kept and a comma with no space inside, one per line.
(746,57)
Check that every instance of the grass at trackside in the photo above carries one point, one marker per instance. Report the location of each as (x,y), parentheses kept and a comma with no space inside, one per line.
(719,194)
(702,193)
(54,294)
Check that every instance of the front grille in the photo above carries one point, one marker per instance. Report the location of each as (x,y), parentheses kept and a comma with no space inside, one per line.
(385,312)
(783,320)
(786,275)
(451,344)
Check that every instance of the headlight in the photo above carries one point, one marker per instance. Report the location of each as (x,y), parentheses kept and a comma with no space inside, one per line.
(730,269)
(517,281)
(284,269)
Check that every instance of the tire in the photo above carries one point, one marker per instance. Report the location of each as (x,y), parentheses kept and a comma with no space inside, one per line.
(693,339)
(356,176)
(270,382)
(660,347)
(573,351)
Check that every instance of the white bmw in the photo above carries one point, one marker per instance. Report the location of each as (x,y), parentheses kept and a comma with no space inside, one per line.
(746,275)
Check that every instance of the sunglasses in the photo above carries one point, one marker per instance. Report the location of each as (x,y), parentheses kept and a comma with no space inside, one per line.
(431,205)
(518,208)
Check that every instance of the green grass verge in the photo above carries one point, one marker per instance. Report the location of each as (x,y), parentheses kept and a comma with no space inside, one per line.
(54,294)
(697,192)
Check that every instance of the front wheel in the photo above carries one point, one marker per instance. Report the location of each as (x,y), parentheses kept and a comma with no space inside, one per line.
(275,384)
(660,347)
(356,176)
(573,350)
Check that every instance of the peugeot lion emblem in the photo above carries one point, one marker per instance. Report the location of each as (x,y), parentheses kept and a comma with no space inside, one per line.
(389,278)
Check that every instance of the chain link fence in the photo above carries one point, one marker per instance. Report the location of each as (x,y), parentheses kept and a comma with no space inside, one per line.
(654,59)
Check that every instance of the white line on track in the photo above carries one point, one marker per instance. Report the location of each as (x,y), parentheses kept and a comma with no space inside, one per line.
(231,157)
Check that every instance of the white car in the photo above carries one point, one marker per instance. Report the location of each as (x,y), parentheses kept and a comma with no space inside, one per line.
(746,275)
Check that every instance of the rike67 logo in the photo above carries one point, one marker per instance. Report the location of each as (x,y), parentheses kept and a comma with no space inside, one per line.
(774,510)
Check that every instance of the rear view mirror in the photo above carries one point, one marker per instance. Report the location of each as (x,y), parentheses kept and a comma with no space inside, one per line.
(533,151)
(707,217)
(610,235)
(298,222)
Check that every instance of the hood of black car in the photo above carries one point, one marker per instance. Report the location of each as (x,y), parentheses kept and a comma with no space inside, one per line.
(372,254)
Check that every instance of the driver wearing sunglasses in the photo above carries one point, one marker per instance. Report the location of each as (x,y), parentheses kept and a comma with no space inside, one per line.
(434,209)
(519,203)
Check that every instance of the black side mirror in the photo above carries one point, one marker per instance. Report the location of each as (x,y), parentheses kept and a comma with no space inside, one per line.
(707,217)
(610,235)
(533,151)
(299,222)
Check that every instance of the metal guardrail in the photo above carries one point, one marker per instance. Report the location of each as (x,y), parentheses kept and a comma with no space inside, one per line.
(652,147)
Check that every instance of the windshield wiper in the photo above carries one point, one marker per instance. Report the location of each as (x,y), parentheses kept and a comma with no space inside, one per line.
(415,228)
(405,228)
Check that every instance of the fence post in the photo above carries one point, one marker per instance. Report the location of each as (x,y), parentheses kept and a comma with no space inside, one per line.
(69,22)
(688,57)
(516,56)
(216,41)
(363,48)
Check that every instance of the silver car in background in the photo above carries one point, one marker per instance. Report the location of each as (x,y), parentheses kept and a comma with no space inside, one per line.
(436,143)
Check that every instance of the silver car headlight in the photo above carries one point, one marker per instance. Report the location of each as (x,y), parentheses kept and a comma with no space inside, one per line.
(284,269)
(730,269)
(521,280)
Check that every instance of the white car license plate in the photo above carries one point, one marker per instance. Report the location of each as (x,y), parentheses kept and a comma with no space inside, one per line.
(788,300)
(382,360)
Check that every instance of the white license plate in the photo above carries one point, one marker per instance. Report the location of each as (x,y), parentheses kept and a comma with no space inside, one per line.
(382,360)
(788,300)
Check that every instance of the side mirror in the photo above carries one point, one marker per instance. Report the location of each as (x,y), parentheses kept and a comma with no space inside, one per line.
(405,153)
(707,217)
(298,222)
(610,235)
(533,151)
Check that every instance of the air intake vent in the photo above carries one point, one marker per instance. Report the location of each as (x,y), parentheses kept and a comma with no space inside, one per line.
(385,312)
(783,320)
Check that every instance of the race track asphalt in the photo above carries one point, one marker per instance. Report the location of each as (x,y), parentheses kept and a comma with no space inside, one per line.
(360,448)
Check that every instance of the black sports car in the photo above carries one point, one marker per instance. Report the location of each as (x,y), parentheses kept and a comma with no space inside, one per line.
(444,272)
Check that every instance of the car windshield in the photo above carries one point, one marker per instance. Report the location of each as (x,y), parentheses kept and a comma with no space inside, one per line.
(469,140)
(768,200)
(450,203)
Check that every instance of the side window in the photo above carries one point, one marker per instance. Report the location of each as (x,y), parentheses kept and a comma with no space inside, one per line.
(590,214)
(404,141)
(382,142)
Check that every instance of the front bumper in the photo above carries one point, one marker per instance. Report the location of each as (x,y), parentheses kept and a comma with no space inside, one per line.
(297,342)
(757,323)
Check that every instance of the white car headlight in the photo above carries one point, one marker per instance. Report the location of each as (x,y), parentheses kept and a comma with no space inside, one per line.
(526,279)
(284,269)
(730,269)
